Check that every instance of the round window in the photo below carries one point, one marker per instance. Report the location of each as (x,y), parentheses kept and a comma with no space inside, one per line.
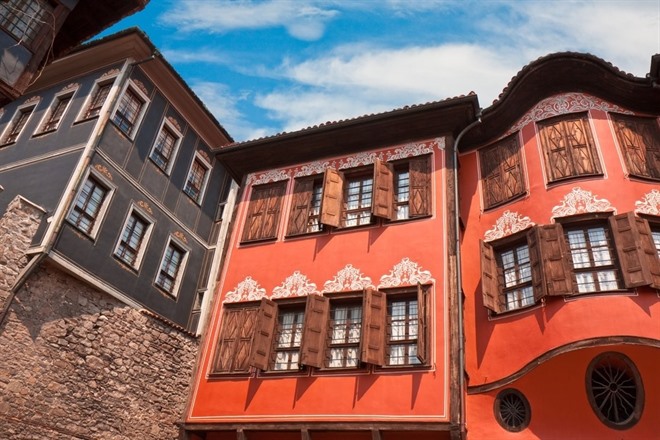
(512,410)
(615,390)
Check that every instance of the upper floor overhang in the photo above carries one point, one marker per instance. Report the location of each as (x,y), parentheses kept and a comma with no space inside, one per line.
(560,73)
(417,122)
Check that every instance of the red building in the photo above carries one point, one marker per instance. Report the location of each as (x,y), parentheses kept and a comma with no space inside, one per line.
(559,194)
(337,310)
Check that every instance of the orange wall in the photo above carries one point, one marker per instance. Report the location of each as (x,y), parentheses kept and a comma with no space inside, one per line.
(499,346)
(558,401)
(317,396)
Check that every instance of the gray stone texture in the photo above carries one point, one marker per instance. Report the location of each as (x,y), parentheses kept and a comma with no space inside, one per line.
(79,364)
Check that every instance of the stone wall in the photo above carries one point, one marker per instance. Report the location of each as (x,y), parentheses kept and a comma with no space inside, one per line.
(78,364)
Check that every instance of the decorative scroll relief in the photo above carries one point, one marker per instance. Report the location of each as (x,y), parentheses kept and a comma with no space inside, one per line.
(405,273)
(650,203)
(580,201)
(70,87)
(414,149)
(295,285)
(32,100)
(246,290)
(317,167)
(204,155)
(140,85)
(347,279)
(181,236)
(110,73)
(174,122)
(103,170)
(144,205)
(509,223)
(359,160)
(267,177)
(564,103)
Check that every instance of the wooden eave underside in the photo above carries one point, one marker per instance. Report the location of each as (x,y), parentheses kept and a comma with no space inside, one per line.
(319,426)
(133,45)
(89,17)
(347,137)
(556,74)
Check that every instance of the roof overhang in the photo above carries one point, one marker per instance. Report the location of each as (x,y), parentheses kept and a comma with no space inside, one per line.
(562,73)
(408,124)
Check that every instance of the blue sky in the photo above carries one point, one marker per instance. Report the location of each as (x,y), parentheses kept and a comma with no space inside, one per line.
(263,67)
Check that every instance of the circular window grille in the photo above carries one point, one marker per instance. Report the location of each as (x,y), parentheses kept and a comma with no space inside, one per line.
(615,390)
(512,410)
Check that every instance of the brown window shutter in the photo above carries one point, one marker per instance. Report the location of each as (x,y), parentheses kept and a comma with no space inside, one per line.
(264,212)
(263,335)
(299,216)
(374,322)
(331,201)
(244,342)
(558,270)
(639,139)
(650,251)
(423,314)
(630,250)
(502,176)
(420,187)
(228,340)
(490,285)
(312,348)
(536,264)
(383,190)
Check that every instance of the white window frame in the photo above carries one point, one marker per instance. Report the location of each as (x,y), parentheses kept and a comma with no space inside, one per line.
(145,103)
(108,80)
(103,209)
(49,112)
(134,209)
(175,150)
(182,266)
(32,106)
(202,190)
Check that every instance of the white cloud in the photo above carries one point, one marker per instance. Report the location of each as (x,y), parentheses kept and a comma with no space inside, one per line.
(223,104)
(208,56)
(302,20)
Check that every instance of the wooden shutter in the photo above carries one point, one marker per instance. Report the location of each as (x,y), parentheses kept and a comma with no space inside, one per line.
(490,285)
(501,172)
(331,201)
(263,335)
(650,251)
(235,340)
(264,212)
(302,197)
(423,322)
(374,322)
(639,139)
(312,348)
(420,187)
(631,247)
(557,269)
(536,264)
(383,190)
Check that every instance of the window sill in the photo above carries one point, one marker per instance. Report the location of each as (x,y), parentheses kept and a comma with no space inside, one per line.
(164,171)
(304,371)
(80,121)
(645,179)
(125,265)
(570,179)
(6,144)
(191,198)
(44,133)
(123,133)
(258,241)
(514,312)
(506,202)
(229,374)
(87,235)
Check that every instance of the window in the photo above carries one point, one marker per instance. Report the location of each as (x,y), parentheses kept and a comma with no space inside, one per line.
(169,275)
(512,410)
(639,140)
(56,112)
(130,110)
(25,18)
(164,150)
(615,390)
(196,181)
(592,256)
(377,329)
(133,239)
(568,147)
(89,204)
(656,239)
(17,124)
(99,96)
(344,335)
(264,212)
(356,197)
(288,338)
(604,254)
(502,176)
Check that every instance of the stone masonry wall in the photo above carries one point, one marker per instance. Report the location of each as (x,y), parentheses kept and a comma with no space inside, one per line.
(78,364)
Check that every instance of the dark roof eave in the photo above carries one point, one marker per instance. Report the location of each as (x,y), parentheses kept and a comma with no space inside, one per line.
(348,136)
